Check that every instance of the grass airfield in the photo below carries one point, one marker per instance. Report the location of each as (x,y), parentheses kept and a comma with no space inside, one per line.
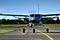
(2,31)
(13,25)
(41,34)
(26,25)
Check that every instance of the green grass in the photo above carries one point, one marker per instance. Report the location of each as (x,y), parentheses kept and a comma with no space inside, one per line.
(5,31)
(52,25)
(13,24)
(25,25)
(48,26)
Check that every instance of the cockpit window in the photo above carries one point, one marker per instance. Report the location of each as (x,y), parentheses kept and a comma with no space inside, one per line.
(36,15)
(32,15)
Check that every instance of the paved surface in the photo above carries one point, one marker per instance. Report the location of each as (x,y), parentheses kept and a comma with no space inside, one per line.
(18,34)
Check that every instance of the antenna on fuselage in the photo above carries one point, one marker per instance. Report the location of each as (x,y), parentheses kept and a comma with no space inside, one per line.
(38,13)
(38,7)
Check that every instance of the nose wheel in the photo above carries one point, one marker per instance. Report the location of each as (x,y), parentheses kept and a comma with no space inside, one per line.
(31,24)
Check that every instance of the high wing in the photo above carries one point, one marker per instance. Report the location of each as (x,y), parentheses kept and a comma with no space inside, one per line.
(48,17)
(51,14)
(17,16)
(28,15)
(13,15)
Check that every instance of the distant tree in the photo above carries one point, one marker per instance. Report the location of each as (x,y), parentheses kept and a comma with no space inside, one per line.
(3,21)
(8,21)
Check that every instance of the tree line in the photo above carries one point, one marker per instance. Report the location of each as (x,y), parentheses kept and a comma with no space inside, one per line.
(51,21)
(14,21)
(17,21)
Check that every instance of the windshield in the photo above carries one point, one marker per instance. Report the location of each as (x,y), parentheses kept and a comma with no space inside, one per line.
(36,15)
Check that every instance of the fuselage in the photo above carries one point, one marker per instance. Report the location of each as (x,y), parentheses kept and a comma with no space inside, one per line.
(36,18)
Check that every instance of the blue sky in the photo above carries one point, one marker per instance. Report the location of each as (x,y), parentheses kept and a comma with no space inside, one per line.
(29,6)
